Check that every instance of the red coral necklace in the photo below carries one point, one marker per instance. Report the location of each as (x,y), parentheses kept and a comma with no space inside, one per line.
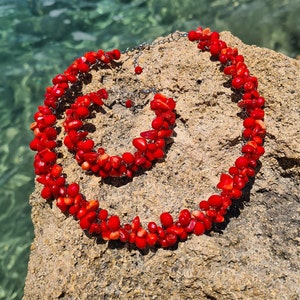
(63,99)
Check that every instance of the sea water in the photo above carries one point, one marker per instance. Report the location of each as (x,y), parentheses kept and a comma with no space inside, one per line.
(40,38)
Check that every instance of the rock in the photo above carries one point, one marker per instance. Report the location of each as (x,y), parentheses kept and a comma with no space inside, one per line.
(256,256)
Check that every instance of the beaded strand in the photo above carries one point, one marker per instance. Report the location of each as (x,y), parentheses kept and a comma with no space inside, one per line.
(150,147)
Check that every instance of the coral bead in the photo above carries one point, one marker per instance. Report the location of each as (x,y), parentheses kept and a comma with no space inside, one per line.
(242,162)
(138,70)
(226,182)
(152,227)
(86,145)
(157,123)
(184,217)
(73,190)
(249,123)
(128,103)
(151,239)
(103,214)
(237,82)
(113,223)
(193,36)
(199,228)
(46,192)
(123,235)
(140,144)
(215,201)
(128,158)
(140,242)
(215,49)
(82,112)
(166,219)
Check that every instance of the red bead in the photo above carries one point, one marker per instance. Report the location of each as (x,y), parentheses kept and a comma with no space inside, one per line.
(123,235)
(160,143)
(73,210)
(73,190)
(128,158)
(171,239)
(193,36)
(92,205)
(157,123)
(166,219)
(141,243)
(237,82)
(61,204)
(113,223)
(257,113)
(81,213)
(116,54)
(59,79)
(249,123)
(95,228)
(199,228)
(136,224)
(215,200)
(96,99)
(152,227)
(56,170)
(215,49)
(204,205)
(49,157)
(230,70)
(115,161)
(46,192)
(226,182)
(239,182)
(140,144)
(242,162)
(85,223)
(141,232)
(91,57)
(103,214)
(128,103)
(115,235)
(149,134)
(83,67)
(236,193)
(184,217)
(159,153)
(151,239)
(138,70)
(190,227)
(90,157)
(49,120)
(82,112)
(86,145)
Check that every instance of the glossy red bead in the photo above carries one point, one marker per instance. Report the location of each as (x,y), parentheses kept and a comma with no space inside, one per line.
(73,190)
(166,219)
(140,144)
(113,223)
(138,70)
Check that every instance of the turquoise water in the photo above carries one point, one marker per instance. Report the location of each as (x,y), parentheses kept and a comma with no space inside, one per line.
(38,39)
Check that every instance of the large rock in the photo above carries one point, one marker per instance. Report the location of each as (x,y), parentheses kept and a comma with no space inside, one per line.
(256,256)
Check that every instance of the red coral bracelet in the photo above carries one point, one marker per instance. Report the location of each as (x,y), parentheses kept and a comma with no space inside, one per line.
(62,99)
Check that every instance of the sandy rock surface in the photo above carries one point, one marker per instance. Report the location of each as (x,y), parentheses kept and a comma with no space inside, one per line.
(256,256)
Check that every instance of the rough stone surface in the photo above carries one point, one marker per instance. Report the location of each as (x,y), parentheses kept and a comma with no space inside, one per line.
(256,256)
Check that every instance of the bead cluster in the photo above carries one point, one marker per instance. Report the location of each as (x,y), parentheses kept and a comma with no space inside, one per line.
(150,146)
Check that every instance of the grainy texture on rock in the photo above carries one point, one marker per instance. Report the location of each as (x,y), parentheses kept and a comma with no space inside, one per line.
(255,257)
